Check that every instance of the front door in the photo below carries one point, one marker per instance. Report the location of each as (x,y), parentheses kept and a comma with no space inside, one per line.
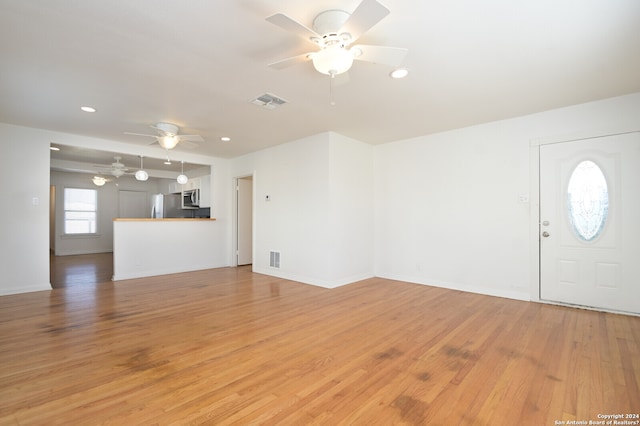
(590,222)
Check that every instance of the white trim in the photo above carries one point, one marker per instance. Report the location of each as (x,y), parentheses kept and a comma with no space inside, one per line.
(157,271)
(588,308)
(6,291)
(513,293)
(329,284)
(534,228)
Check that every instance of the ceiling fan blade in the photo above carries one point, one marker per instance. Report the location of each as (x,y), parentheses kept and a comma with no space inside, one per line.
(140,134)
(109,166)
(284,63)
(367,14)
(392,56)
(187,144)
(191,138)
(289,24)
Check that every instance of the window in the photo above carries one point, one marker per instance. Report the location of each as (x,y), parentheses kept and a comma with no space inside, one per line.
(80,211)
(587,200)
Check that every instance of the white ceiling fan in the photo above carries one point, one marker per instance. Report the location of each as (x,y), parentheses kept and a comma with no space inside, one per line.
(116,168)
(333,33)
(168,136)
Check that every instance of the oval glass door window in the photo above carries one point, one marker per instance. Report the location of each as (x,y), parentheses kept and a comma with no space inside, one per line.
(587,200)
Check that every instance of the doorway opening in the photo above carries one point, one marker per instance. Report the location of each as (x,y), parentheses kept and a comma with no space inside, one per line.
(244,220)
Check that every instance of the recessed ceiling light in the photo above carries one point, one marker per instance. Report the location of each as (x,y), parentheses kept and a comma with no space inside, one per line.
(88,109)
(225,139)
(399,73)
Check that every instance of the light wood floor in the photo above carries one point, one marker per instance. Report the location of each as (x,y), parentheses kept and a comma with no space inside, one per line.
(80,271)
(228,346)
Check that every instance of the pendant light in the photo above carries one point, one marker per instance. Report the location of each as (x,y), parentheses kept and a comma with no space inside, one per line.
(182,178)
(141,174)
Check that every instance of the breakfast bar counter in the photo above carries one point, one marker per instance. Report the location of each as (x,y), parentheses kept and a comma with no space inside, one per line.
(165,219)
(147,247)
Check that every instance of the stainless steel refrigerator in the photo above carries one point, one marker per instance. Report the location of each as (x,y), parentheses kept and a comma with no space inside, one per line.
(167,205)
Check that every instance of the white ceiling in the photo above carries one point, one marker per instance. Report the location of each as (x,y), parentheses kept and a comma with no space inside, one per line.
(199,63)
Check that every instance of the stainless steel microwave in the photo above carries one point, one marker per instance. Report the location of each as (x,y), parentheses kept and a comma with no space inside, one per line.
(191,199)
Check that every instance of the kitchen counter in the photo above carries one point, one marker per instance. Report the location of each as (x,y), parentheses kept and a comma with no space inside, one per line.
(167,219)
(149,247)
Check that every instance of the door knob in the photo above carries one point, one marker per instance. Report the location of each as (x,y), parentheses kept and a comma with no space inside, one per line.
(545,234)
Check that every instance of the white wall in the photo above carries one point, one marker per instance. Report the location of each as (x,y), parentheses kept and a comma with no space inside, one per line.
(318,215)
(24,225)
(221,210)
(448,211)
(350,209)
(447,205)
(294,221)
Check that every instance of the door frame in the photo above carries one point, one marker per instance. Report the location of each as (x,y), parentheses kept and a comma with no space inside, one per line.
(534,190)
(234,217)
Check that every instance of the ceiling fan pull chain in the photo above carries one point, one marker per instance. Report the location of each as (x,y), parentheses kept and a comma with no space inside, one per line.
(331,101)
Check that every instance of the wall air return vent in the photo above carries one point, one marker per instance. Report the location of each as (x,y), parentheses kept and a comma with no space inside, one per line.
(269,101)
(274,259)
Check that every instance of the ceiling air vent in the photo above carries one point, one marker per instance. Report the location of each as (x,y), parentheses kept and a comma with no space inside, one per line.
(268,100)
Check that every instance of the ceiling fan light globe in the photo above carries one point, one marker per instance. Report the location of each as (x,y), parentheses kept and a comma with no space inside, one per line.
(182,179)
(142,175)
(168,142)
(99,180)
(332,60)
(117,172)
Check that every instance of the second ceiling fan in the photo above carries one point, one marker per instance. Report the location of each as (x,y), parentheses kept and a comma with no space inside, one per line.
(168,136)
(333,33)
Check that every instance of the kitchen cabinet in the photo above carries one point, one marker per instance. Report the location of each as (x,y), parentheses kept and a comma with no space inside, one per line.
(203,183)
(174,188)
(191,184)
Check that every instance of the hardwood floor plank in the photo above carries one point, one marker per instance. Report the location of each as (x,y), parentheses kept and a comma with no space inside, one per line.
(228,346)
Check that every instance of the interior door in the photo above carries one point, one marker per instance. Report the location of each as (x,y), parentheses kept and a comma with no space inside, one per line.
(245,220)
(590,222)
